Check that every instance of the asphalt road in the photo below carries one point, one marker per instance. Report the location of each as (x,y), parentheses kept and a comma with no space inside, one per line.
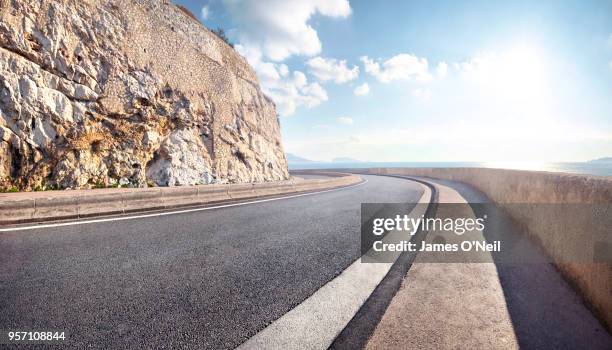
(206,280)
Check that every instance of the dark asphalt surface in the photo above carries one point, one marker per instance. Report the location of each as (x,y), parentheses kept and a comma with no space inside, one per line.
(205,280)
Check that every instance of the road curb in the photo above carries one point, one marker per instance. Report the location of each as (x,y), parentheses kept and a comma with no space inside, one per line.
(19,208)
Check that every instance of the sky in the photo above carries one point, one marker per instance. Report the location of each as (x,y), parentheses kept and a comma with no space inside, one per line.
(483,81)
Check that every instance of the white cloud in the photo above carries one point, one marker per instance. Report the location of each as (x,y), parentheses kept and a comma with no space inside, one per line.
(205,12)
(288,90)
(292,92)
(283,70)
(362,90)
(345,120)
(480,62)
(423,94)
(332,69)
(312,94)
(442,69)
(399,67)
(280,28)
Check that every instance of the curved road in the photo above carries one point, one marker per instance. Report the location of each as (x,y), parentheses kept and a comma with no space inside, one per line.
(209,279)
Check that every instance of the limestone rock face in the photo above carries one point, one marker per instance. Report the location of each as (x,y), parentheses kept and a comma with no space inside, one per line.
(100,92)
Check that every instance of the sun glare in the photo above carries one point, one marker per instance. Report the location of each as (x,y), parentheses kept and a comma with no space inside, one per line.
(517,74)
(522,73)
(512,86)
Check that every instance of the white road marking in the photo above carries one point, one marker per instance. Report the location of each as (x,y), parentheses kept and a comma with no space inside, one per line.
(121,218)
(317,321)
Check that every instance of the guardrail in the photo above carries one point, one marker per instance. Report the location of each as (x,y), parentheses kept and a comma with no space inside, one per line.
(25,207)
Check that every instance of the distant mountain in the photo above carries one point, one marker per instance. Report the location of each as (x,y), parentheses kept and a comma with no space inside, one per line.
(292,158)
(345,160)
(601,160)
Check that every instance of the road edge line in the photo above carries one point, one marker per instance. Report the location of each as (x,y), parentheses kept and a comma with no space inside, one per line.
(175,212)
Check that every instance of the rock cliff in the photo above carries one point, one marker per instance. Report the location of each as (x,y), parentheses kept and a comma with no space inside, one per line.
(130,92)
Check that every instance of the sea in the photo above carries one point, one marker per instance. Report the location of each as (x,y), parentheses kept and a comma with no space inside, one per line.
(589,168)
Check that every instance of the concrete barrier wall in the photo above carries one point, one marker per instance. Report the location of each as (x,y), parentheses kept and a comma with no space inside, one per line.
(53,205)
(555,233)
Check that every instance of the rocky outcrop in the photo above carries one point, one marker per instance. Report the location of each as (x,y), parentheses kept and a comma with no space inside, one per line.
(101,92)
